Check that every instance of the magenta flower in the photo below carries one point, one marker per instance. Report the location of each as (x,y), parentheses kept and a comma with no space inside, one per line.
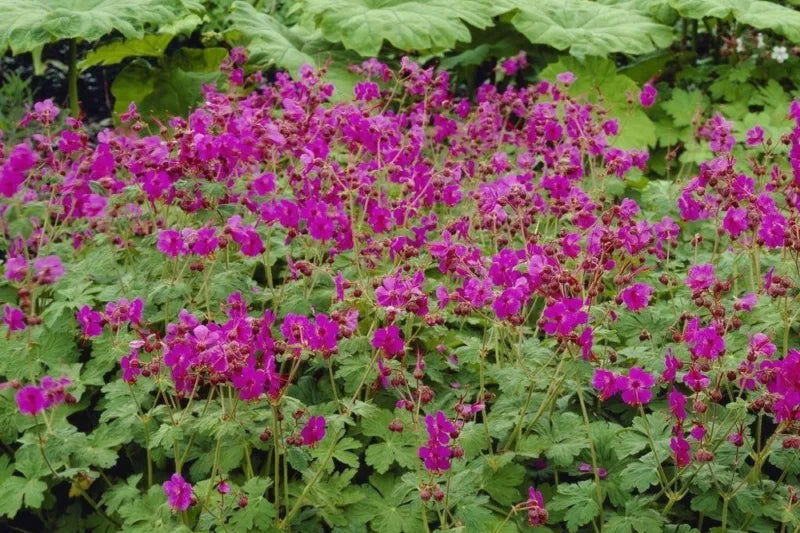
(339,282)
(696,380)
(698,431)
(130,366)
(537,514)
(721,134)
(735,221)
(746,302)
(586,467)
(16,268)
(677,404)
(605,381)
(366,90)
(586,342)
(31,400)
(707,343)
(700,277)
(314,430)
(323,334)
(54,390)
(671,366)
(761,346)
(121,311)
(204,241)
(567,78)
(389,340)
(90,321)
(170,242)
(179,493)
(637,296)
(755,136)
(45,111)
(680,450)
(13,173)
(250,382)
(514,64)
(508,303)
(47,270)
(563,316)
(768,275)
(647,96)
(14,318)
(635,387)
(437,453)
(772,230)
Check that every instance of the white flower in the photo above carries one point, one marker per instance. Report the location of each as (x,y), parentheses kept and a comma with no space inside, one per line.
(780,54)
(760,42)
(739,45)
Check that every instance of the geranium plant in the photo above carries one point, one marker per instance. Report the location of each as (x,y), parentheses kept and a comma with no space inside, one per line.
(406,311)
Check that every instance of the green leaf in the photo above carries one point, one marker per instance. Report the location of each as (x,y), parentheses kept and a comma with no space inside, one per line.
(560,440)
(637,518)
(580,502)
(757,13)
(589,28)
(698,9)
(503,484)
(708,502)
(121,493)
(395,447)
(259,510)
(148,513)
(342,453)
(388,507)
(409,25)
(641,474)
(475,517)
(633,439)
(152,45)
(290,47)
(683,106)
(16,491)
(27,25)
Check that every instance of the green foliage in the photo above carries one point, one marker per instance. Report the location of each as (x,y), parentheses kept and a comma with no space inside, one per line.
(579,503)
(26,26)
(363,25)
(272,43)
(756,13)
(170,89)
(587,28)
(152,45)
(16,491)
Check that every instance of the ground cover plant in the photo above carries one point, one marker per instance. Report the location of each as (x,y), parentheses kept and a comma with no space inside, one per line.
(404,311)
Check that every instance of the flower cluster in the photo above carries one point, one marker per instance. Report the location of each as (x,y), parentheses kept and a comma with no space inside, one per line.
(50,393)
(438,452)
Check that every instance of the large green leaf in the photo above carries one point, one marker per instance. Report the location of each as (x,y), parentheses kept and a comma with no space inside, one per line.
(271,43)
(363,25)
(590,29)
(152,45)
(25,25)
(757,13)
(698,9)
